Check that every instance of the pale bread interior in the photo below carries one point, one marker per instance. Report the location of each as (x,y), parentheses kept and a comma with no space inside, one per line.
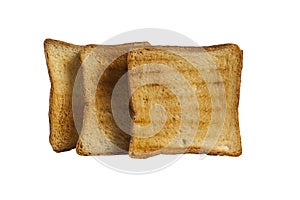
(103,66)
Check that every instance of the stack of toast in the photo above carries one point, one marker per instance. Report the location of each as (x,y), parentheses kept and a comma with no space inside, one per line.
(144,100)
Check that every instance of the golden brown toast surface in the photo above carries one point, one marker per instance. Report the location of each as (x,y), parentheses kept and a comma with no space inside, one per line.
(63,63)
(198,88)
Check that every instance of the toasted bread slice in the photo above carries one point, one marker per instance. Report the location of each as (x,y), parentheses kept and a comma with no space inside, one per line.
(103,66)
(198,88)
(63,63)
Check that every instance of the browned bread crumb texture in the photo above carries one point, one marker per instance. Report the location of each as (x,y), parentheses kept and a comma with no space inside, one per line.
(218,128)
(103,66)
(63,63)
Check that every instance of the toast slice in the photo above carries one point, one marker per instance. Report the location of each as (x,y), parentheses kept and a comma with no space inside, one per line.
(63,63)
(198,91)
(103,66)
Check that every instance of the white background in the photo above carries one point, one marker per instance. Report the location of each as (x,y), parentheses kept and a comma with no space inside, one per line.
(268,32)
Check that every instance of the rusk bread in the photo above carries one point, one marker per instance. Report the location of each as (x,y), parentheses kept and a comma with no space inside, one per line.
(63,63)
(103,66)
(212,80)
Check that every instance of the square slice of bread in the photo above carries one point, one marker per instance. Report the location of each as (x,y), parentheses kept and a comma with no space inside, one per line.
(185,100)
(103,66)
(63,64)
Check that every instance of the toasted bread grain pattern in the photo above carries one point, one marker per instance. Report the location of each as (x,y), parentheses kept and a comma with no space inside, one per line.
(63,63)
(218,69)
(103,66)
